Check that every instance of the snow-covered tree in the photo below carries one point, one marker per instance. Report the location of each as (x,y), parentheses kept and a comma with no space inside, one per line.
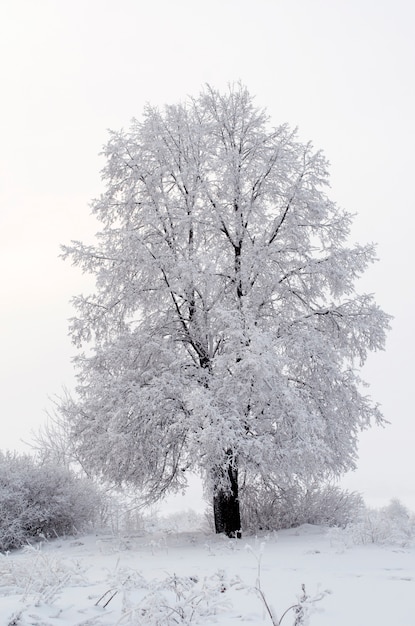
(225,331)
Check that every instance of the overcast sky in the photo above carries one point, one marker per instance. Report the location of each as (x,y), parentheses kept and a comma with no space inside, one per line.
(343,71)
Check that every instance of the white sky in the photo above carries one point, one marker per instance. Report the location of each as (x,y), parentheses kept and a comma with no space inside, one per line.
(343,71)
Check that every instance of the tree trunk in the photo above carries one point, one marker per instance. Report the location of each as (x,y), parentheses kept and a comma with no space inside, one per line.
(225,498)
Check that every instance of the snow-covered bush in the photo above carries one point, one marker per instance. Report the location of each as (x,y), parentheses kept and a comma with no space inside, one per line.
(392,524)
(268,507)
(41,500)
(181,521)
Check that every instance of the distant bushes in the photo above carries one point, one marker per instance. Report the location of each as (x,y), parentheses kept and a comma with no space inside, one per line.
(41,500)
(392,524)
(268,507)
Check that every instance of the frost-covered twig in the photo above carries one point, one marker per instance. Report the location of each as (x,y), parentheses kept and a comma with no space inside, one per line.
(300,608)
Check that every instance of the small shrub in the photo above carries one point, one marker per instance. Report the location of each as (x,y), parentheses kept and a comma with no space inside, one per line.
(41,501)
(271,507)
(173,600)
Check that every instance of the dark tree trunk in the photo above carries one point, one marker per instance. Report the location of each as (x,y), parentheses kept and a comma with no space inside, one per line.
(225,500)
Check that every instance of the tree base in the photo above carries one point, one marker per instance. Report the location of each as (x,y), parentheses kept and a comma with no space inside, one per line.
(227,515)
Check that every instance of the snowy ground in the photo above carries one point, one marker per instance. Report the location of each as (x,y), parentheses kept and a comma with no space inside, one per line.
(196,577)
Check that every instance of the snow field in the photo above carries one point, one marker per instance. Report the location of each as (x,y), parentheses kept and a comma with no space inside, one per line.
(200,578)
